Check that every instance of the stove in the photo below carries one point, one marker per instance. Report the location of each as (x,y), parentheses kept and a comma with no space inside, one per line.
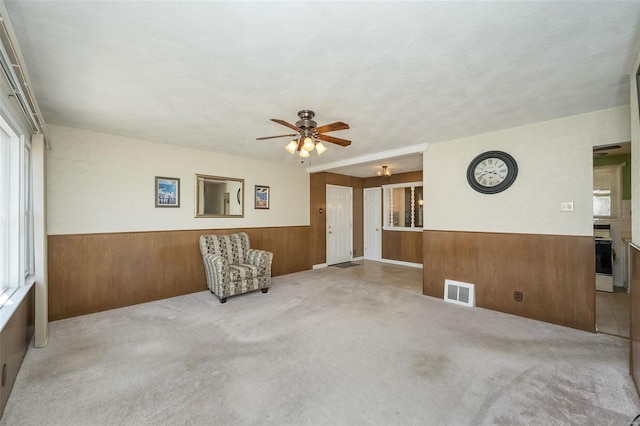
(604,257)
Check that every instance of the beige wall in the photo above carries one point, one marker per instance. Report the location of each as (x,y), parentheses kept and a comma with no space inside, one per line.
(105,183)
(554,165)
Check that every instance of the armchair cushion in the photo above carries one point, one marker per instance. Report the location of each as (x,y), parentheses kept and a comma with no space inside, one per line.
(242,272)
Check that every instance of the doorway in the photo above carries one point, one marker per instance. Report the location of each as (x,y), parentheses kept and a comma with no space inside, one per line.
(373,223)
(612,233)
(339,224)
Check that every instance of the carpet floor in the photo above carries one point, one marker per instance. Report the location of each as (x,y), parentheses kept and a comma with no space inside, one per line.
(330,346)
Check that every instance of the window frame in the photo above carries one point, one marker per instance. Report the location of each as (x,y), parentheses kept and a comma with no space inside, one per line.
(20,192)
(615,195)
(387,204)
(28,215)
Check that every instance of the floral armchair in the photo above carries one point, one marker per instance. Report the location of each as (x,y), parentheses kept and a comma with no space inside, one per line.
(233,267)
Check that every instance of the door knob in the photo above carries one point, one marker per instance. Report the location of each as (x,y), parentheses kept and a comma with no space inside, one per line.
(376,229)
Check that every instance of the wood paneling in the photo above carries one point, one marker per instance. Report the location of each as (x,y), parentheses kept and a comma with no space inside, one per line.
(634,283)
(318,198)
(555,273)
(14,342)
(95,272)
(402,245)
(405,246)
(318,221)
(356,184)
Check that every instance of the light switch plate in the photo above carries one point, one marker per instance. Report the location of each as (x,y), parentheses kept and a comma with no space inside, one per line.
(566,206)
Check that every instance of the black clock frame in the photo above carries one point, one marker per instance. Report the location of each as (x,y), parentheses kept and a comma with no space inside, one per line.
(512,172)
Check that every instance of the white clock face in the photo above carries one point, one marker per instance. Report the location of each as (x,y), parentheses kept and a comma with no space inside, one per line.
(491,172)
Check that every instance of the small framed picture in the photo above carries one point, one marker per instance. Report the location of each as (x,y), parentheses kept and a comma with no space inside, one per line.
(262,197)
(167,192)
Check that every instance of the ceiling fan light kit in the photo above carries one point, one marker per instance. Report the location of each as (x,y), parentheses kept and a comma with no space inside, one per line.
(310,136)
(320,148)
(386,171)
(292,146)
(308,144)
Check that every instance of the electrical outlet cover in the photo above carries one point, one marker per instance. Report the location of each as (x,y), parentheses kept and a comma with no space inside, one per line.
(566,206)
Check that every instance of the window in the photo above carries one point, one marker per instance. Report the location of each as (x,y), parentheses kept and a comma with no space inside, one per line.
(607,190)
(403,206)
(29,252)
(16,212)
(5,212)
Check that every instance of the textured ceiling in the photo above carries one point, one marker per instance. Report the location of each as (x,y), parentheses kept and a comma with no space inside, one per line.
(211,74)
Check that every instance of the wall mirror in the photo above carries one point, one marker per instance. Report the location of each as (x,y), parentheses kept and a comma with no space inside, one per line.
(219,196)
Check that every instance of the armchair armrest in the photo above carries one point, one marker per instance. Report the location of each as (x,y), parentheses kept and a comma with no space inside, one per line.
(217,269)
(259,257)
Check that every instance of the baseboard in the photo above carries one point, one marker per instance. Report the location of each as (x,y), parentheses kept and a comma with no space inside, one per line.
(400,262)
(357,258)
(320,265)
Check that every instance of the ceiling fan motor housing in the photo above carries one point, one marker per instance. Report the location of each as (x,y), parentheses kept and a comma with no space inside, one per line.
(306,121)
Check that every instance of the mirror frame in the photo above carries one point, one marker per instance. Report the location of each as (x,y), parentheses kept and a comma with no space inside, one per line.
(197,202)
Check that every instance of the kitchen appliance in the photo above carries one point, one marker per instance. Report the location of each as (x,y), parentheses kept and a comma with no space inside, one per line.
(604,257)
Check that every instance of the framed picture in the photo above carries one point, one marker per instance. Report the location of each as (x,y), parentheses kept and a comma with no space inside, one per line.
(262,197)
(167,192)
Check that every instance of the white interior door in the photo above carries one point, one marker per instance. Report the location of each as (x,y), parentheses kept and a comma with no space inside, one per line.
(373,223)
(339,218)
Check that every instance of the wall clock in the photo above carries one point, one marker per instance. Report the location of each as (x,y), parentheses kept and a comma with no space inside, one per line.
(492,172)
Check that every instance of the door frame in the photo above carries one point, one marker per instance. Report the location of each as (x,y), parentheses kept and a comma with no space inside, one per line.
(350,205)
(377,190)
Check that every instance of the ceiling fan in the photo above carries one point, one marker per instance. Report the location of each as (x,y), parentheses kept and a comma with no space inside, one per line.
(309,136)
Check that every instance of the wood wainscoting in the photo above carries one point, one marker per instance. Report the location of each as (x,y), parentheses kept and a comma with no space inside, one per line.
(405,246)
(555,273)
(95,272)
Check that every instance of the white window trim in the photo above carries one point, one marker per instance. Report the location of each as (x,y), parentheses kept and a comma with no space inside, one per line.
(403,228)
(27,235)
(387,195)
(18,281)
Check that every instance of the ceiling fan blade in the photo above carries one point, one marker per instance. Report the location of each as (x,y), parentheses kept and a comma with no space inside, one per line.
(337,141)
(273,137)
(338,125)
(284,123)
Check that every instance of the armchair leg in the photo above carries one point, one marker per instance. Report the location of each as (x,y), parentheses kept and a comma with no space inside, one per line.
(264,290)
(223,300)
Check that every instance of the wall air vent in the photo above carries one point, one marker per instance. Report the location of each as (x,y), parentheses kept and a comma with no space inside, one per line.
(459,293)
